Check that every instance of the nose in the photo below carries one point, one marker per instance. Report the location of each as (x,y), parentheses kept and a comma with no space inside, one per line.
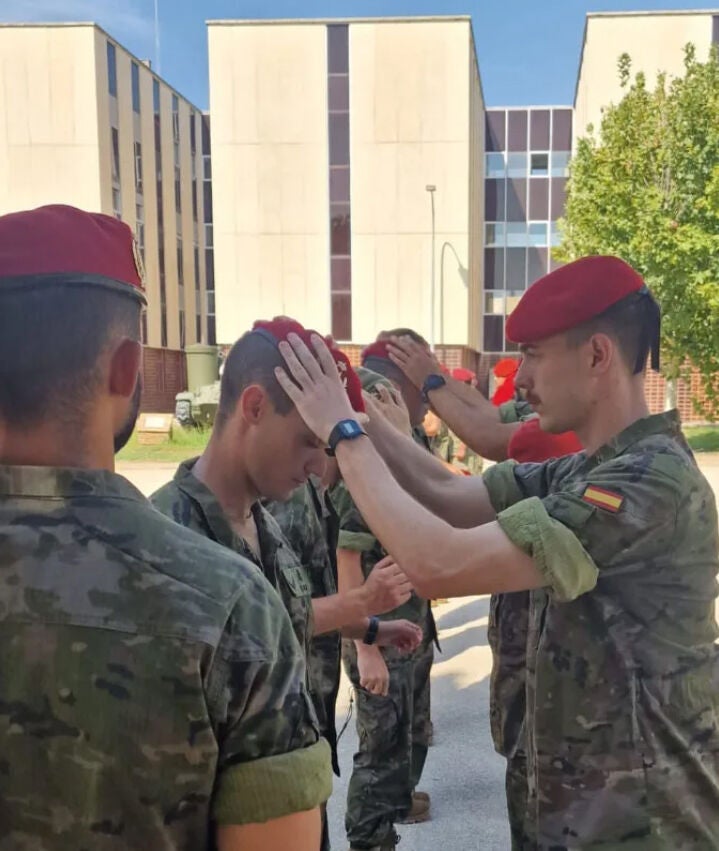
(317,463)
(521,379)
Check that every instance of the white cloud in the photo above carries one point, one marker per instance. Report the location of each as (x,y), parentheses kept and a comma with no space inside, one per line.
(121,18)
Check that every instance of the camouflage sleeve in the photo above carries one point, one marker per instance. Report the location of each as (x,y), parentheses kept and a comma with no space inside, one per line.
(616,519)
(271,760)
(354,533)
(514,411)
(509,482)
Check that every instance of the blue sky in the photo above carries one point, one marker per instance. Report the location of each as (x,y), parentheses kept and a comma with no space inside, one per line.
(528,49)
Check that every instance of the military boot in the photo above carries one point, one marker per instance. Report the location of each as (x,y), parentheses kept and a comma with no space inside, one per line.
(419,811)
(388,844)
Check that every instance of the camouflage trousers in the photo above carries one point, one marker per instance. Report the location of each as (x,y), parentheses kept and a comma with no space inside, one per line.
(393,736)
(517,791)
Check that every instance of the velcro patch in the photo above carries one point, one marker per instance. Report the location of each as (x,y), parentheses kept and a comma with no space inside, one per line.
(608,500)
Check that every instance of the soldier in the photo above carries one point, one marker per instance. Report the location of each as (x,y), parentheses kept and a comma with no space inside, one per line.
(260,448)
(146,702)
(392,692)
(464,457)
(617,545)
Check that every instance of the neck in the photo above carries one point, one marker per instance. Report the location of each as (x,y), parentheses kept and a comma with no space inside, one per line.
(228,481)
(612,413)
(53,446)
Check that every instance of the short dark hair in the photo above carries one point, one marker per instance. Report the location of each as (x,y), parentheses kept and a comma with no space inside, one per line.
(51,339)
(386,368)
(252,360)
(633,322)
(403,332)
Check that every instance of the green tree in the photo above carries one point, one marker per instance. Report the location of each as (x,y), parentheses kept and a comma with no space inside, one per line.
(646,188)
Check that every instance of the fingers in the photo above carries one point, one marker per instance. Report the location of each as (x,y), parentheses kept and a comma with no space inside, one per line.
(294,364)
(288,385)
(324,357)
(305,356)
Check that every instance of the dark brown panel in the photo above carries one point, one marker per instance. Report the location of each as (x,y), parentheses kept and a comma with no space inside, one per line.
(562,130)
(495,131)
(516,268)
(494,210)
(339,138)
(494,268)
(559,196)
(516,200)
(340,184)
(342,316)
(539,199)
(539,130)
(338,49)
(341,268)
(536,264)
(517,130)
(340,233)
(338,94)
(493,333)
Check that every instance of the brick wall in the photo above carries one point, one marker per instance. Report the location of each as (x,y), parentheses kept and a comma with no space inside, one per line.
(164,375)
(454,356)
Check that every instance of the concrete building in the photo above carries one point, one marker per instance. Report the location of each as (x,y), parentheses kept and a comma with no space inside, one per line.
(86,123)
(325,137)
(655,42)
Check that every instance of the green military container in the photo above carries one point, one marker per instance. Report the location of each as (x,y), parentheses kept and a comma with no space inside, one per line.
(202,366)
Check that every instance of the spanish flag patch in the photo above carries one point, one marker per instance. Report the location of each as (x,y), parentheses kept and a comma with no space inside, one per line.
(607,500)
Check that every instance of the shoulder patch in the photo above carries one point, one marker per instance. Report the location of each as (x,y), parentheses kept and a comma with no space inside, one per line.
(608,500)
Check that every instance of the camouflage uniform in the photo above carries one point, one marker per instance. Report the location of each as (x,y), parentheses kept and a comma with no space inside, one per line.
(622,683)
(507,637)
(189,502)
(150,681)
(310,525)
(394,730)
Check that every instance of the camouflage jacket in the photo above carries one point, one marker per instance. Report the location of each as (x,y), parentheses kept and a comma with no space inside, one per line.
(355,535)
(622,667)
(311,526)
(189,502)
(150,681)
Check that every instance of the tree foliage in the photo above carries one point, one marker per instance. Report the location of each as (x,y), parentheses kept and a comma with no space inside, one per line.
(645,187)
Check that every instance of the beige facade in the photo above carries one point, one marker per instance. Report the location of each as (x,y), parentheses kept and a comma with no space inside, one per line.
(60,101)
(415,118)
(655,42)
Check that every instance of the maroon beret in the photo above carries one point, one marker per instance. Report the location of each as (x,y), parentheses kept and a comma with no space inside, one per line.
(58,244)
(278,329)
(377,350)
(530,443)
(571,295)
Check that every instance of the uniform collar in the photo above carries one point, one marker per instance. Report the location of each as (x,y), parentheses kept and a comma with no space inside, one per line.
(668,423)
(214,515)
(64,482)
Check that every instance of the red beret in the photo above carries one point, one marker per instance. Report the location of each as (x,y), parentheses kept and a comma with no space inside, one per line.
(58,244)
(505,368)
(530,443)
(571,295)
(376,350)
(278,330)
(462,374)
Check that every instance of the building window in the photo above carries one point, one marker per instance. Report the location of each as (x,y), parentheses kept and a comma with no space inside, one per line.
(338,123)
(555,237)
(111,69)
(115,154)
(516,234)
(539,165)
(143,328)
(494,233)
(495,130)
(135,87)
(116,203)
(493,333)
(206,167)
(138,168)
(495,165)
(494,268)
(175,119)
(517,164)
(494,302)
(538,233)
(559,163)
(208,235)
(140,228)
(156,96)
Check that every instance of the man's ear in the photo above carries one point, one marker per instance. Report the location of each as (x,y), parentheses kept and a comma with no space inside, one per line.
(603,350)
(254,404)
(125,366)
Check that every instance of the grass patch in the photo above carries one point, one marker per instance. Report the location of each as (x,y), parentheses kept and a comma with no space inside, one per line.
(703,438)
(184,443)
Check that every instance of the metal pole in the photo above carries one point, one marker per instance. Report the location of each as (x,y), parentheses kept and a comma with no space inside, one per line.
(431,189)
(157,36)
(441,292)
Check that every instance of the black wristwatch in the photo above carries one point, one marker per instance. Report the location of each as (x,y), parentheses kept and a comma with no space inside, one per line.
(344,430)
(432,382)
(371,635)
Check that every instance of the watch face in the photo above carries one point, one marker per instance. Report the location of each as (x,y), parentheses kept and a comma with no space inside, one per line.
(348,429)
(435,381)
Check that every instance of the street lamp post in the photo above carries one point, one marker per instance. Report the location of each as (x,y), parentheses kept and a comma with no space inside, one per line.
(431,188)
(464,275)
